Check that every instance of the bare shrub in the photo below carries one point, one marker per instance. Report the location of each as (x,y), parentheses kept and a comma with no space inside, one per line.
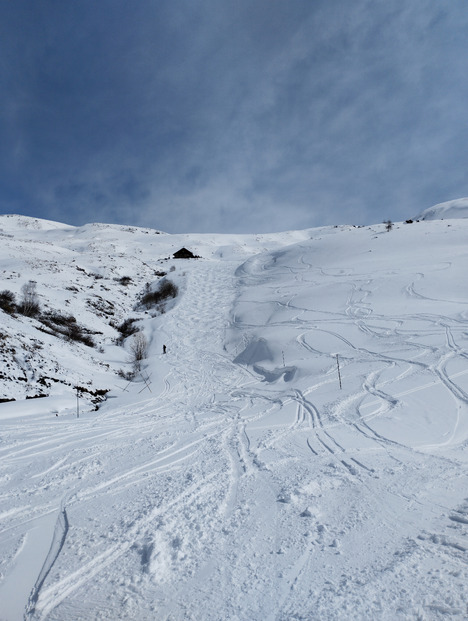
(75,332)
(124,280)
(66,326)
(7,301)
(29,305)
(126,375)
(102,307)
(126,329)
(139,350)
(166,291)
(54,319)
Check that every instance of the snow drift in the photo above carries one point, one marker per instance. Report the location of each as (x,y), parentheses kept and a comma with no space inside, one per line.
(451,209)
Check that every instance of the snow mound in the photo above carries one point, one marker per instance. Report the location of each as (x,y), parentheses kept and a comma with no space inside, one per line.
(12,222)
(457,208)
(256,351)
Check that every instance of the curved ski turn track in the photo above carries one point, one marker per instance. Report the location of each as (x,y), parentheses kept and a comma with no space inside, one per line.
(240,482)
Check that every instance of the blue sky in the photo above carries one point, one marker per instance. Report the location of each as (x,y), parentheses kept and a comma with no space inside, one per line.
(232,115)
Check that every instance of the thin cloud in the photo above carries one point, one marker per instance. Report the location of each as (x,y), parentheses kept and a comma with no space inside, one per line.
(232,117)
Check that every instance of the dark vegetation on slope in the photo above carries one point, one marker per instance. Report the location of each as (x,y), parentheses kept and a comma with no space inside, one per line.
(66,326)
(54,323)
(125,329)
(155,299)
(8,302)
(24,371)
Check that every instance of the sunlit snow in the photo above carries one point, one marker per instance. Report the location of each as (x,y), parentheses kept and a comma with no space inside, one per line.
(233,478)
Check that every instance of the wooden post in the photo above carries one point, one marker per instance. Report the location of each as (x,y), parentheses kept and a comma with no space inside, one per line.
(77,403)
(147,382)
(339,374)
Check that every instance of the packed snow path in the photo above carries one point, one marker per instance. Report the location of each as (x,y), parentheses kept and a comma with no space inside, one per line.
(241,482)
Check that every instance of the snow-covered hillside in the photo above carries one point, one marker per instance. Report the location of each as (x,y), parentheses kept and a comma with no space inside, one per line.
(455,209)
(234,478)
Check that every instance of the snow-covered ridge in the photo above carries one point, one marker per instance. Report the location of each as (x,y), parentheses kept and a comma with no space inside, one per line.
(457,208)
(16,222)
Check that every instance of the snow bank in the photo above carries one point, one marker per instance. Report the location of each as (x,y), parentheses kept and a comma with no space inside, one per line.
(457,208)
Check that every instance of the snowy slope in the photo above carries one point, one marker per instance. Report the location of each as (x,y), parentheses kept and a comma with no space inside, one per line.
(78,272)
(457,208)
(234,478)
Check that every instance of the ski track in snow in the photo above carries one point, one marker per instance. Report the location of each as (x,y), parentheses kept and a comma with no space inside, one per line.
(257,489)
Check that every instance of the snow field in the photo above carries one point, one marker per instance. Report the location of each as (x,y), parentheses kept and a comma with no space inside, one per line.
(240,482)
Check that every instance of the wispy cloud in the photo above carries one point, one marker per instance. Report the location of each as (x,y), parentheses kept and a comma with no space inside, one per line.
(232,116)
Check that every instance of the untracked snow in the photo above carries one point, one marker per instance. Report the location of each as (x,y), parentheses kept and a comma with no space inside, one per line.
(455,209)
(234,478)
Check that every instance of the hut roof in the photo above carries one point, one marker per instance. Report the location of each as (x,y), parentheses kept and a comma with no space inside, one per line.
(183,253)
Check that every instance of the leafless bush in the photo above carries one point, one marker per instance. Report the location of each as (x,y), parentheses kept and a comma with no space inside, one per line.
(75,332)
(66,326)
(126,329)
(54,319)
(139,350)
(126,375)
(29,305)
(166,291)
(7,301)
(124,280)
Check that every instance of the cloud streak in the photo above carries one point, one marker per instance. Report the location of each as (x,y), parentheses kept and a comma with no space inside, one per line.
(232,116)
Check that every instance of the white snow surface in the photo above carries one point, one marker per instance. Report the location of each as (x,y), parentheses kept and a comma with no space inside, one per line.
(233,478)
(457,208)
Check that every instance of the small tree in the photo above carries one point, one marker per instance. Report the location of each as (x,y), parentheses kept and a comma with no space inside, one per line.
(388,225)
(30,302)
(139,349)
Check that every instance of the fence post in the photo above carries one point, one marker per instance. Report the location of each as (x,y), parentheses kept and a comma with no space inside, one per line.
(338,365)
